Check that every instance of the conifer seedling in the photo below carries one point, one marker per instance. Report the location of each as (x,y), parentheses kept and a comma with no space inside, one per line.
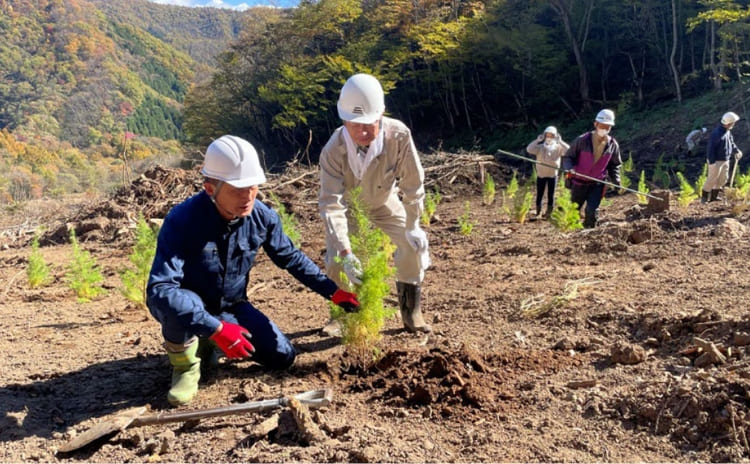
(431,202)
(687,192)
(643,189)
(488,190)
(566,215)
(84,276)
(288,222)
(465,224)
(701,178)
(37,270)
(135,279)
(360,331)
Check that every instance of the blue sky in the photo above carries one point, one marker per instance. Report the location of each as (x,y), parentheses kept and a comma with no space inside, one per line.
(232,4)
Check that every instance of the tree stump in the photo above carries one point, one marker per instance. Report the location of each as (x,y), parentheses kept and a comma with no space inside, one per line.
(660,205)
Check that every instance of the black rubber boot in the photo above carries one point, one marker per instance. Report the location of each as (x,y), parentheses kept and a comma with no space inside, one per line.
(714,194)
(589,222)
(409,301)
(704,196)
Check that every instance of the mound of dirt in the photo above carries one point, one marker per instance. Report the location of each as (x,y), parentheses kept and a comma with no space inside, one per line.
(152,195)
(453,381)
(709,413)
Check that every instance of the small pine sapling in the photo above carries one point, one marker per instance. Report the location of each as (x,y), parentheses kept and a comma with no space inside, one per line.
(431,202)
(37,271)
(465,224)
(628,166)
(488,190)
(687,192)
(643,189)
(510,192)
(83,275)
(742,184)
(661,175)
(135,279)
(288,222)
(360,331)
(702,178)
(738,195)
(566,215)
(522,204)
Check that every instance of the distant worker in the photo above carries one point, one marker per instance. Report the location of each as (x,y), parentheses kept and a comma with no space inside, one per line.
(693,139)
(595,154)
(375,153)
(548,148)
(207,245)
(721,148)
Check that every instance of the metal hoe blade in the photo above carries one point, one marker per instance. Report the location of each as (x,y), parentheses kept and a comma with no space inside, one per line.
(135,416)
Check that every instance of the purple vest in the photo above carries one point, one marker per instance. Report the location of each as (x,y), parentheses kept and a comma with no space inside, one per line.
(586,165)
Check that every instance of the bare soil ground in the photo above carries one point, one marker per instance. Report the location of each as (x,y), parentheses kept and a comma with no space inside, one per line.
(647,362)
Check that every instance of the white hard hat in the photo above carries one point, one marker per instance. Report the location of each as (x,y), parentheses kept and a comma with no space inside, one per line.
(606,117)
(703,130)
(551,130)
(729,118)
(234,161)
(361,99)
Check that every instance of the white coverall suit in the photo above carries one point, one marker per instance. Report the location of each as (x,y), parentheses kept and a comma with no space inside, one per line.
(397,167)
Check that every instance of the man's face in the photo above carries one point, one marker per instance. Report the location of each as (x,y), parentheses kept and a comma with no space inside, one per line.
(363,134)
(602,126)
(232,202)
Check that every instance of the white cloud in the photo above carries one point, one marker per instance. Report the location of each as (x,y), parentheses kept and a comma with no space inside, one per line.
(209,3)
(179,2)
(222,4)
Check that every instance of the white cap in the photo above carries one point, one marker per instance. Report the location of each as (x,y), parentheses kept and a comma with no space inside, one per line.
(361,100)
(550,130)
(729,118)
(606,117)
(233,160)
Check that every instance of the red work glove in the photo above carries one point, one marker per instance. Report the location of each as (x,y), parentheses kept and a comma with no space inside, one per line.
(233,340)
(348,301)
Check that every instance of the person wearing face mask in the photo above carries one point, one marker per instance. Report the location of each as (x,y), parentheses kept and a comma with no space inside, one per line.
(721,148)
(594,154)
(548,148)
(378,154)
(197,288)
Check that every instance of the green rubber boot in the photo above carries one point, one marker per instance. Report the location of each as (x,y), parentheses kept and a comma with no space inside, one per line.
(209,355)
(186,372)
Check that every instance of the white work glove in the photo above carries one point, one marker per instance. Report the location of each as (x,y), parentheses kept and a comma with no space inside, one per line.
(417,238)
(737,155)
(424,259)
(352,268)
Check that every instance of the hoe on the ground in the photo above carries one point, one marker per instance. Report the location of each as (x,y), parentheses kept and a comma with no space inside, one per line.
(136,417)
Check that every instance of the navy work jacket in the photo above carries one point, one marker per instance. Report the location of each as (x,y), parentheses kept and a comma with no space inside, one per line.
(720,145)
(200,253)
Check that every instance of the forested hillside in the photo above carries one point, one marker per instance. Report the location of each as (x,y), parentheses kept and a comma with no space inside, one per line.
(94,86)
(86,93)
(468,71)
(202,33)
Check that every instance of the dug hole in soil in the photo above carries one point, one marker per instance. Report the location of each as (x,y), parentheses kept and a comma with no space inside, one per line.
(623,343)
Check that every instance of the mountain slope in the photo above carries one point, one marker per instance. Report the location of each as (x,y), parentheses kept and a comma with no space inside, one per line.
(79,74)
(202,33)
